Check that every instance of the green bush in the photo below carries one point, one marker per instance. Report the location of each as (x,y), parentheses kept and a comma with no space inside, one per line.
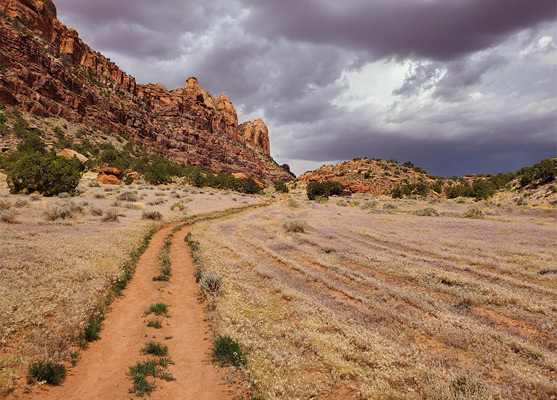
(31,169)
(323,189)
(47,372)
(227,352)
(315,189)
(281,187)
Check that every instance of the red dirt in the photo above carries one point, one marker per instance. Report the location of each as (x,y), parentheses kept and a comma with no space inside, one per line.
(101,372)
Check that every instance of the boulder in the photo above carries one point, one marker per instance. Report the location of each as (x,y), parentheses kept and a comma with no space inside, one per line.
(134,175)
(107,179)
(110,171)
(70,154)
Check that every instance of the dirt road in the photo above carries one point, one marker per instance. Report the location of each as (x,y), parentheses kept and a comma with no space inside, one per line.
(101,371)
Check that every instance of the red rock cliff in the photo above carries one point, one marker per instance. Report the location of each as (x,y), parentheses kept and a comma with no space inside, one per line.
(50,71)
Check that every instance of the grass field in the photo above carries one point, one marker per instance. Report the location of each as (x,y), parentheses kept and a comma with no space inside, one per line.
(59,257)
(359,299)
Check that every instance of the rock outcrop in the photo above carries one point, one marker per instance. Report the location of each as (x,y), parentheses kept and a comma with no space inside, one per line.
(109,176)
(70,154)
(256,135)
(49,71)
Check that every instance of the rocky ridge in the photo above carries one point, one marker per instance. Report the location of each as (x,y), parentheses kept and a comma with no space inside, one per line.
(47,70)
(377,177)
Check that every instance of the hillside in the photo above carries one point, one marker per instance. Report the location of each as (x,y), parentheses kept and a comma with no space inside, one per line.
(389,178)
(47,70)
(373,176)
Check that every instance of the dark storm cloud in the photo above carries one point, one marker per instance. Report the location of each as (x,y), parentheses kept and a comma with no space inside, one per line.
(438,30)
(503,148)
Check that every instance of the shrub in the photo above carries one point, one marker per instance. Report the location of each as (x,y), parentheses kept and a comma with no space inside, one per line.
(211,282)
(59,209)
(128,180)
(94,184)
(292,203)
(249,186)
(111,216)
(227,352)
(315,189)
(21,203)
(281,187)
(153,215)
(5,205)
(92,331)
(474,213)
(295,225)
(178,206)
(8,216)
(47,372)
(96,211)
(127,196)
(155,349)
(30,169)
(321,199)
(427,212)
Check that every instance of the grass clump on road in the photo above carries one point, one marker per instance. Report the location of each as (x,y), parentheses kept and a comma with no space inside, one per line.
(157,324)
(157,309)
(155,349)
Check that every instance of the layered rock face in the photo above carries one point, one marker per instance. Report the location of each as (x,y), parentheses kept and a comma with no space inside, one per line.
(49,71)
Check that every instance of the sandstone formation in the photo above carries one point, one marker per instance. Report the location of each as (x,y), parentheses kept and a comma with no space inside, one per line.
(49,71)
(256,135)
(109,176)
(70,154)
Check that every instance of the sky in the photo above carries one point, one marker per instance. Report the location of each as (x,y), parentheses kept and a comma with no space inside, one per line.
(455,86)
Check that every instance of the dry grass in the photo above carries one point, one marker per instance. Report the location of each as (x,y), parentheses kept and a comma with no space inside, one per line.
(388,305)
(53,275)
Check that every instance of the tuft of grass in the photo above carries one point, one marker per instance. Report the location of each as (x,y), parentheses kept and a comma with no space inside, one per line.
(157,309)
(295,225)
(211,282)
(5,204)
(227,352)
(8,216)
(161,278)
(292,203)
(141,386)
(111,216)
(152,215)
(427,212)
(127,196)
(155,349)
(92,331)
(474,213)
(97,211)
(462,387)
(47,372)
(157,324)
